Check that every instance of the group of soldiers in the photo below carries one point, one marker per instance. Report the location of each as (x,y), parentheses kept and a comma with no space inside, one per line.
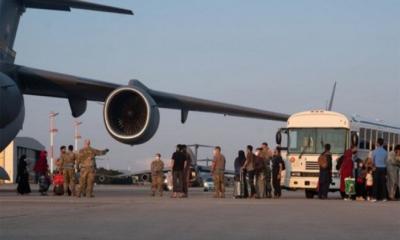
(180,166)
(82,163)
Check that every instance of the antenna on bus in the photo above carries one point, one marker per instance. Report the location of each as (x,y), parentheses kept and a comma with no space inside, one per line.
(329,107)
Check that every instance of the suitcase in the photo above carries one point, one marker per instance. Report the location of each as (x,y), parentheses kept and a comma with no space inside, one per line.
(58,190)
(238,191)
(44,183)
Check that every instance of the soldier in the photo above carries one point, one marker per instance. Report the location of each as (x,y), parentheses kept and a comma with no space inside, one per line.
(63,151)
(218,172)
(266,154)
(68,162)
(87,166)
(157,175)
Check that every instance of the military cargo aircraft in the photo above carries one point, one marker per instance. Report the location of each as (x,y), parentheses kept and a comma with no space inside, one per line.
(131,112)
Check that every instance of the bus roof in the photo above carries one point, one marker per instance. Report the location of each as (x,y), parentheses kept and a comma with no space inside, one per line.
(330,119)
(318,119)
(377,123)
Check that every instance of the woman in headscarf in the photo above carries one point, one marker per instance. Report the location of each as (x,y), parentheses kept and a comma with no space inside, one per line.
(346,170)
(41,169)
(239,162)
(23,177)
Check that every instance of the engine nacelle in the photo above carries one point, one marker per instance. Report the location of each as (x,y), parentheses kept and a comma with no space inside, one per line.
(12,110)
(131,115)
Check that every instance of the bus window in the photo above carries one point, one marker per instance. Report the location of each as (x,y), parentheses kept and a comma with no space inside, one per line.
(390,140)
(386,138)
(312,140)
(367,138)
(302,140)
(374,137)
(362,138)
(335,137)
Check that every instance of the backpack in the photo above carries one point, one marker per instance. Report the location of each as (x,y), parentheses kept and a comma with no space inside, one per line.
(283,165)
(339,162)
(322,161)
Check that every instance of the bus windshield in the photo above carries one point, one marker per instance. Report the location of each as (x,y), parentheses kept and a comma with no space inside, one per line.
(312,140)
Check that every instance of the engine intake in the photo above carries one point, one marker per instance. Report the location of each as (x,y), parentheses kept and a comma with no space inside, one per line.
(131,115)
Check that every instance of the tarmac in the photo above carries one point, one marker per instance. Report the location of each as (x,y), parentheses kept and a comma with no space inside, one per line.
(129,212)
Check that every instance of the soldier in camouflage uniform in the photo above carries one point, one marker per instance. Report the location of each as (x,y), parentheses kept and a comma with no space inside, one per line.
(87,166)
(157,175)
(218,173)
(68,161)
(266,153)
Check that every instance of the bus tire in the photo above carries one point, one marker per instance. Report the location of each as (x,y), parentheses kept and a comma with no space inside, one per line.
(309,193)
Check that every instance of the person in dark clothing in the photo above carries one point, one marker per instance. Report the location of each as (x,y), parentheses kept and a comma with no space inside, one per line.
(239,162)
(325,172)
(277,168)
(23,177)
(379,158)
(186,171)
(178,167)
(248,166)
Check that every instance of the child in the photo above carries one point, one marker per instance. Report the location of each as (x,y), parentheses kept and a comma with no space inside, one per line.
(369,182)
(360,173)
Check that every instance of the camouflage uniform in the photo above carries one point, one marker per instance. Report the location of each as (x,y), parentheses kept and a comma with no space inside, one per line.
(186,174)
(157,175)
(218,171)
(87,166)
(266,154)
(68,161)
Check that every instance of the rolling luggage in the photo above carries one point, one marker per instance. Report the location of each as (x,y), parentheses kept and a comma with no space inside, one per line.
(238,191)
(44,184)
(58,182)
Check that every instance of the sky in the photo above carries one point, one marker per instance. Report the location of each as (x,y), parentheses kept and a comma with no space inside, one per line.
(281,56)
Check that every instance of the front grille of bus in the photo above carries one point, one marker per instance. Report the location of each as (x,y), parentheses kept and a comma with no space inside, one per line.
(304,174)
(312,165)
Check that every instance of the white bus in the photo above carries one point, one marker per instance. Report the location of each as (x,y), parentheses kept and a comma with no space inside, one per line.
(305,136)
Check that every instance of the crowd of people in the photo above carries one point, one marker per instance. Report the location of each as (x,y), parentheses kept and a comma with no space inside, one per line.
(69,165)
(262,168)
(376,178)
(259,170)
(257,173)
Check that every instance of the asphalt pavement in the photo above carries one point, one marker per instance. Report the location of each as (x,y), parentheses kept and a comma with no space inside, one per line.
(129,212)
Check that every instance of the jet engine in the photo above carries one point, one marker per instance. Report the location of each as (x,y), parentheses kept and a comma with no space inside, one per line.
(12,110)
(131,115)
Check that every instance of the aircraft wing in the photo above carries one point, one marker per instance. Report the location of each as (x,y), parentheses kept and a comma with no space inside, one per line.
(66,5)
(78,90)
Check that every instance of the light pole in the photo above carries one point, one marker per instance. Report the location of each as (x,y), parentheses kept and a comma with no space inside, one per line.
(53,130)
(77,135)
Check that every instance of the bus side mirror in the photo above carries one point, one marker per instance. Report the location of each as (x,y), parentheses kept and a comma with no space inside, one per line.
(278,137)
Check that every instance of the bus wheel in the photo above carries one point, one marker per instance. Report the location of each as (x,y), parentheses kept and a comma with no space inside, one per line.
(309,193)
